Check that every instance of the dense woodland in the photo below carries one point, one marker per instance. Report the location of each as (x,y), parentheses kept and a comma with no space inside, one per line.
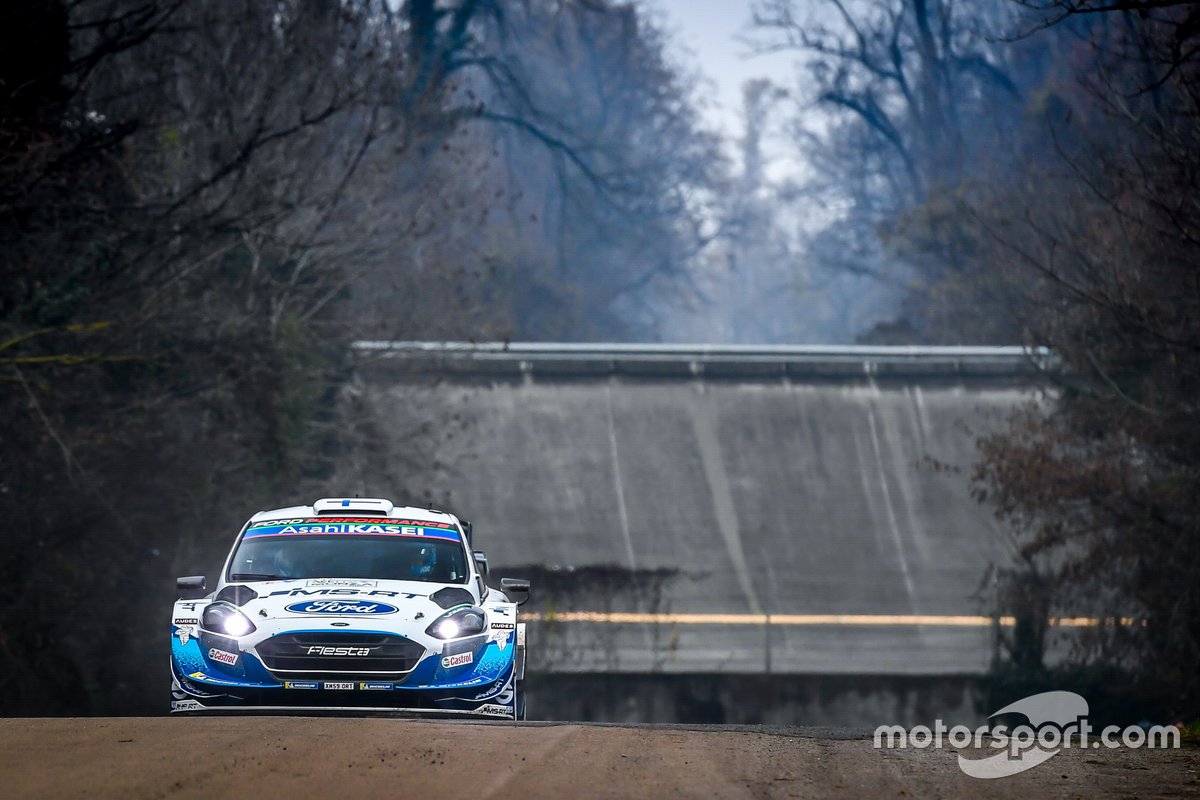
(1028,172)
(201,204)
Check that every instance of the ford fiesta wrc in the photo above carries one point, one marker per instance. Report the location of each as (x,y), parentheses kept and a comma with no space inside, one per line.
(351,604)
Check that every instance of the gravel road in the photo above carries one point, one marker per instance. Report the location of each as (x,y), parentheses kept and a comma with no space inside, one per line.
(322,757)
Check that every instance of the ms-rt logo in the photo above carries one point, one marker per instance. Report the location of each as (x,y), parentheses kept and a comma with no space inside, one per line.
(1054,721)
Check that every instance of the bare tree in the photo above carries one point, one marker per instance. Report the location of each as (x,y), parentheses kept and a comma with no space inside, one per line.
(201,204)
(916,100)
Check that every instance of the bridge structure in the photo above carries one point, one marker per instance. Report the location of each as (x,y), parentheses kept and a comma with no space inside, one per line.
(715,510)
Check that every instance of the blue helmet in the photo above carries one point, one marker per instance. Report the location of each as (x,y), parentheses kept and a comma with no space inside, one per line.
(423,561)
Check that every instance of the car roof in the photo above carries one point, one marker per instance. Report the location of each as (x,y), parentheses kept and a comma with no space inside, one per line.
(397,512)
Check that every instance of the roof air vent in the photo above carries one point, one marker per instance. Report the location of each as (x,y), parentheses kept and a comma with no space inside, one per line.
(365,506)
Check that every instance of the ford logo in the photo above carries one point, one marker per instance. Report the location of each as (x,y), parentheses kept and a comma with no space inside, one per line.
(347,607)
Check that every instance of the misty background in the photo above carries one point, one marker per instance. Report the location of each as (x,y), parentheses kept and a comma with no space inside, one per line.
(203,204)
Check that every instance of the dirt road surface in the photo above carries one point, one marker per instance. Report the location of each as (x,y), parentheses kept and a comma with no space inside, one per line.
(311,757)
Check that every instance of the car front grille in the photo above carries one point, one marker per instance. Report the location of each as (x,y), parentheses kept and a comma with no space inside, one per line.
(371,655)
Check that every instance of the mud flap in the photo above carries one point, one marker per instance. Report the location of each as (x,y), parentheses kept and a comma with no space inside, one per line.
(519,656)
(519,674)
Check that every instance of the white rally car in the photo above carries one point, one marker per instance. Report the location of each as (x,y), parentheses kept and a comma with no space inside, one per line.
(351,604)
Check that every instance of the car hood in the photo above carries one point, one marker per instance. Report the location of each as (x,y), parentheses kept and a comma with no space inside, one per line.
(376,602)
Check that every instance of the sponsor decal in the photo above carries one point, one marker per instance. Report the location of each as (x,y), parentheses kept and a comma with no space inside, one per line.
(200,676)
(186,705)
(424,523)
(343,607)
(301,685)
(467,684)
(500,633)
(376,687)
(490,691)
(493,710)
(185,635)
(220,656)
(361,528)
(339,685)
(326,592)
(186,621)
(319,650)
(269,523)
(458,659)
(343,582)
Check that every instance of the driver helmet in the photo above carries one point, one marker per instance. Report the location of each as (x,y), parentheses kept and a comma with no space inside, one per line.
(422,562)
(287,564)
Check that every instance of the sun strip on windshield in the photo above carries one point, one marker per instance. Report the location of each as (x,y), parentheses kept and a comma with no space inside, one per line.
(375,527)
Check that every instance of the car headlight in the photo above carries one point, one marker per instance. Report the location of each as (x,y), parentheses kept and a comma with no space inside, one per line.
(466,621)
(222,618)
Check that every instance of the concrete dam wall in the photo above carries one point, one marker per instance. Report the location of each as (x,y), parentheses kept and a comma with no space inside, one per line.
(707,510)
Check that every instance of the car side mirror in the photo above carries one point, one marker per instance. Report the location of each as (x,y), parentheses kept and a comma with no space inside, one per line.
(190,584)
(515,589)
(481,563)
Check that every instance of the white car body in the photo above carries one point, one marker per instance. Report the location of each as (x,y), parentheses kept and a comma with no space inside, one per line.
(338,642)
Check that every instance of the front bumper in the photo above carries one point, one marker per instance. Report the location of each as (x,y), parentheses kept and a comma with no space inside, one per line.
(212,674)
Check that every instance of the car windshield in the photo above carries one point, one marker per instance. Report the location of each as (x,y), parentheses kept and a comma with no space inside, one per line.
(404,558)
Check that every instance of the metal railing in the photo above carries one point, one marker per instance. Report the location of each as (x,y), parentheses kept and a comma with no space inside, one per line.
(571,358)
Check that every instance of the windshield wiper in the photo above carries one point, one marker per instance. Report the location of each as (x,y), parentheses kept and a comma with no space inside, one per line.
(253,576)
